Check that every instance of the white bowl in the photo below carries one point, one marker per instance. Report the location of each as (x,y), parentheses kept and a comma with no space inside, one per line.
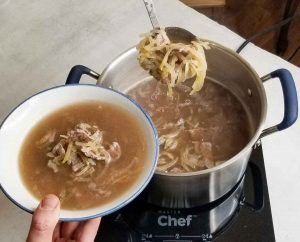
(20,121)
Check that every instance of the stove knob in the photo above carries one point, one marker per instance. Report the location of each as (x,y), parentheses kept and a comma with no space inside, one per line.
(115,231)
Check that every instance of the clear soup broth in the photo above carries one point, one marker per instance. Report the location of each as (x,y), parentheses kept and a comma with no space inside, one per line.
(87,154)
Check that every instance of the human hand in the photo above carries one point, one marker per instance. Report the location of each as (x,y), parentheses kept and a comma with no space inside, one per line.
(46,228)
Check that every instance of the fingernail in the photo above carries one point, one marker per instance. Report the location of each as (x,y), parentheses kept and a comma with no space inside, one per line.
(49,202)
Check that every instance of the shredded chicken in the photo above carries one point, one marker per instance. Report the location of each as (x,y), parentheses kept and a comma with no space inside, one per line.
(81,149)
(173,63)
(166,161)
(47,139)
(169,140)
(197,156)
(114,151)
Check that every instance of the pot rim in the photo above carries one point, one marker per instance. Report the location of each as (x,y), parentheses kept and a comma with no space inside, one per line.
(250,143)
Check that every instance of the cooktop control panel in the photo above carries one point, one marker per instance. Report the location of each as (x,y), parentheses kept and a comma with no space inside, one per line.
(157,226)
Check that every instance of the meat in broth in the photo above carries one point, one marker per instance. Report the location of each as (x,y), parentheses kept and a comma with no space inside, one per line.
(87,154)
(198,131)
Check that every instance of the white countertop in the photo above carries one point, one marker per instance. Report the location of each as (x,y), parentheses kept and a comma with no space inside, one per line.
(41,40)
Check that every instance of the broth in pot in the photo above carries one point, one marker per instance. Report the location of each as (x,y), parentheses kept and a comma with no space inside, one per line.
(198,131)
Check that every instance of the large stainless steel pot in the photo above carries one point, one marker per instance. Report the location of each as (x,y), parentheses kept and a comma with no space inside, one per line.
(230,70)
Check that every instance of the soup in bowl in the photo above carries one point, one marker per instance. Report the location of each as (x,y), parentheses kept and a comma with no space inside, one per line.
(93,147)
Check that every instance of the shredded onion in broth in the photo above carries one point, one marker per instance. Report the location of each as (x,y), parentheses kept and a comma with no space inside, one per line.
(81,149)
(196,132)
(173,63)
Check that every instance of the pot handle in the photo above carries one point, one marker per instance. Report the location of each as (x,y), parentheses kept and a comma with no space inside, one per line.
(290,100)
(258,191)
(79,70)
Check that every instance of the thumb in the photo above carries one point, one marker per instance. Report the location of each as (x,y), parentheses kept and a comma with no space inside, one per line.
(44,220)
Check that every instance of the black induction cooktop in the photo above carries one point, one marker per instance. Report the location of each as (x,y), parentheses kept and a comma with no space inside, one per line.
(242,215)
